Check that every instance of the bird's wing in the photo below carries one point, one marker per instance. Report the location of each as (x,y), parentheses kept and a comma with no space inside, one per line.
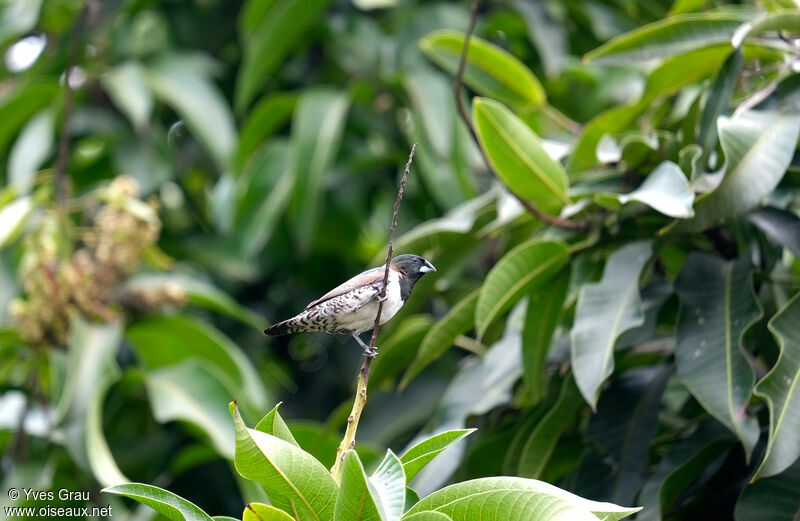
(365,278)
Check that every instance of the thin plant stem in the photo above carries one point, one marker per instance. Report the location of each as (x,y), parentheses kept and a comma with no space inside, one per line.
(360,401)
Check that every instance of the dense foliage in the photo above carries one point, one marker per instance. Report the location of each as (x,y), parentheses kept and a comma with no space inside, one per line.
(613,220)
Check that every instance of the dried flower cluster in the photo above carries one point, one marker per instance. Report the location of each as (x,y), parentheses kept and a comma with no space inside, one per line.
(59,280)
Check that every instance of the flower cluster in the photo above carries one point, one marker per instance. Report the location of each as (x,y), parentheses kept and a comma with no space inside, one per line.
(59,279)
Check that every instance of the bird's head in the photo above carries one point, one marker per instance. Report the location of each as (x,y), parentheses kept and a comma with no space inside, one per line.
(412,266)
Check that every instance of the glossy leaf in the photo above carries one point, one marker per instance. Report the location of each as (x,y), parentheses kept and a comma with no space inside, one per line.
(17,107)
(126,85)
(190,393)
(356,500)
(168,340)
(780,20)
(625,424)
(179,83)
(294,480)
(781,390)
(666,190)
(719,98)
(257,217)
(262,512)
(758,147)
(316,132)
(512,499)
(13,217)
(416,457)
(162,501)
(522,269)
(429,515)
(674,35)
(459,320)
(32,148)
(399,349)
(539,446)
(545,306)
(490,70)
(518,157)
(272,423)
(717,306)
(772,499)
(779,225)
(270,30)
(482,384)
(266,117)
(200,293)
(388,486)
(604,311)
(679,468)
(90,371)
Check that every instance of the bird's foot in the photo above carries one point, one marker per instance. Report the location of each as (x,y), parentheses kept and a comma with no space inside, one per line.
(382,298)
(371,352)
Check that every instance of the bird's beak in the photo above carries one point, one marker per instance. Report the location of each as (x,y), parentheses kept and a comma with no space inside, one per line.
(427,267)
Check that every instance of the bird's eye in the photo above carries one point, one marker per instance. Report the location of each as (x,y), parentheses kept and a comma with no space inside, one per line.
(416,261)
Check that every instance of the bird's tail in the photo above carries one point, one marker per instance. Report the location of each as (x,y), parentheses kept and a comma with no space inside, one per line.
(285,327)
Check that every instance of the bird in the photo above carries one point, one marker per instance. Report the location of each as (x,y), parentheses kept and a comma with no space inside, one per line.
(351,307)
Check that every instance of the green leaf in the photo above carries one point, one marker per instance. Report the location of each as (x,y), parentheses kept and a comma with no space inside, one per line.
(17,107)
(388,486)
(680,467)
(177,81)
(522,269)
(17,18)
(758,148)
(269,115)
(672,75)
(490,70)
(13,217)
(162,501)
(355,500)
(673,35)
(262,512)
(168,340)
(200,293)
(780,20)
(430,515)
(625,424)
(126,85)
(272,423)
(316,133)
(515,499)
(442,335)
(541,443)
(545,306)
(719,98)
(269,31)
(91,369)
(781,391)
(398,350)
(257,216)
(779,225)
(294,480)
(416,457)
(518,157)
(605,310)
(666,190)
(189,392)
(717,306)
(31,149)
(771,499)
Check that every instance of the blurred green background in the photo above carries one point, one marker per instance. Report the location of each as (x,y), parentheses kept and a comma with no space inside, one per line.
(224,163)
